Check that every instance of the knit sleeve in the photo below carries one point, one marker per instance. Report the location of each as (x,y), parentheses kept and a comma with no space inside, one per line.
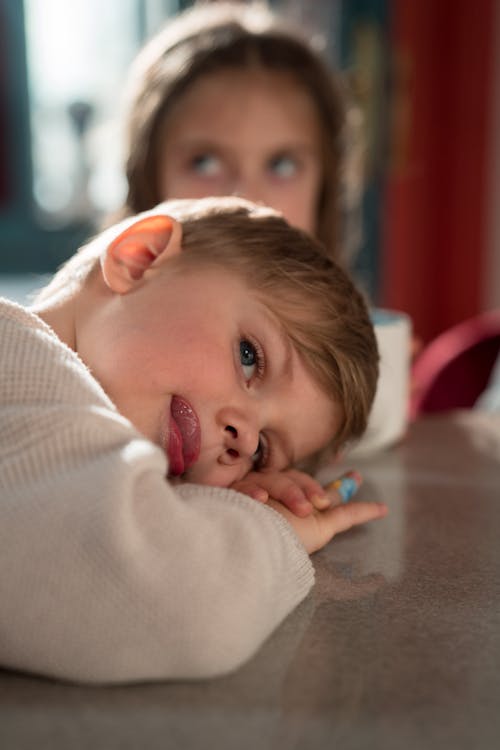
(108,573)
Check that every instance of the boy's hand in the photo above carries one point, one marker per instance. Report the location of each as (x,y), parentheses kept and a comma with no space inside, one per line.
(320,526)
(296,490)
(315,513)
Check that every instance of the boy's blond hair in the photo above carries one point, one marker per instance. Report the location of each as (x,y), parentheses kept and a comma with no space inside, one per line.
(315,301)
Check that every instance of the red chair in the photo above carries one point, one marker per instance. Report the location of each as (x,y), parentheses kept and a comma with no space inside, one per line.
(452,371)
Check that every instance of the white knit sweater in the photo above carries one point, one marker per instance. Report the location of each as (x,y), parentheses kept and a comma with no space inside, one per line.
(107,572)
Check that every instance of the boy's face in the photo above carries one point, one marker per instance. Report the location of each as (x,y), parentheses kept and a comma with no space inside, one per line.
(200,366)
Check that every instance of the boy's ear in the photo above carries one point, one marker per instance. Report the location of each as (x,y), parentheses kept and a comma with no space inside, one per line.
(145,244)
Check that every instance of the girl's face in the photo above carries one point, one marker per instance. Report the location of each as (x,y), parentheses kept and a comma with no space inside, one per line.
(254,134)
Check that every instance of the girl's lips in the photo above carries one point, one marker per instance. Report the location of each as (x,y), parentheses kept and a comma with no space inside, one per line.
(183,437)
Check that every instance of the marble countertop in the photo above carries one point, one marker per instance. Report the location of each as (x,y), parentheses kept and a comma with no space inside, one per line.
(397,648)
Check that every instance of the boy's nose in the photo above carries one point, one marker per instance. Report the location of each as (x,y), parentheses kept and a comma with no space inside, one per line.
(240,440)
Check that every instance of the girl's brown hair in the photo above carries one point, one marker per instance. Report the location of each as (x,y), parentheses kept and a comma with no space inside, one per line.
(214,37)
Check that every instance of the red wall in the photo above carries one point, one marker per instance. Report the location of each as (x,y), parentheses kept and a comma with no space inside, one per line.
(434,240)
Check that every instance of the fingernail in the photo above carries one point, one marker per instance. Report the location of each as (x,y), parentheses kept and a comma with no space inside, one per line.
(347,485)
(321,501)
(261,495)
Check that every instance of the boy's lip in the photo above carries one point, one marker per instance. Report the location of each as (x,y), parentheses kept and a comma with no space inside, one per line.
(183,438)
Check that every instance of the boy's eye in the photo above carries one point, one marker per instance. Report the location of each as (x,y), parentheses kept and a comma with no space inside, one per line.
(207,165)
(261,455)
(249,358)
(283,165)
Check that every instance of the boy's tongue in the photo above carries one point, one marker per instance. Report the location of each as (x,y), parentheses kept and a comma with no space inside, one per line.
(184,437)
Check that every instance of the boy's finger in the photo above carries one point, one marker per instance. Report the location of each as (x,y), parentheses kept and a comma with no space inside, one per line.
(306,482)
(322,501)
(253,490)
(293,497)
(308,489)
(285,488)
(344,517)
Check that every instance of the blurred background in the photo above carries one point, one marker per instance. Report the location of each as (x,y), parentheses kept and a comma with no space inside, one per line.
(426,76)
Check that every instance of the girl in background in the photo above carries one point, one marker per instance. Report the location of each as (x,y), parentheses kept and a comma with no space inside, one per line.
(229,99)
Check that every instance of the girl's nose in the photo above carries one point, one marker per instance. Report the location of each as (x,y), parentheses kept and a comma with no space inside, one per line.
(248,187)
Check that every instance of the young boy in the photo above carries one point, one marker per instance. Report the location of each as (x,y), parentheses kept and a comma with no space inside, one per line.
(201,348)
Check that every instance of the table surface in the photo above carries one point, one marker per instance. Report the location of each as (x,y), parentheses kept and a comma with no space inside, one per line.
(397,647)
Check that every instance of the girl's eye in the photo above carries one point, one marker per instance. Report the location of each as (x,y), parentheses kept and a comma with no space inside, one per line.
(284,166)
(251,359)
(207,165)
(261,455)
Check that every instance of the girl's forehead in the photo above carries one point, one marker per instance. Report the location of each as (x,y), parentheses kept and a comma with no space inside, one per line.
(245,91)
